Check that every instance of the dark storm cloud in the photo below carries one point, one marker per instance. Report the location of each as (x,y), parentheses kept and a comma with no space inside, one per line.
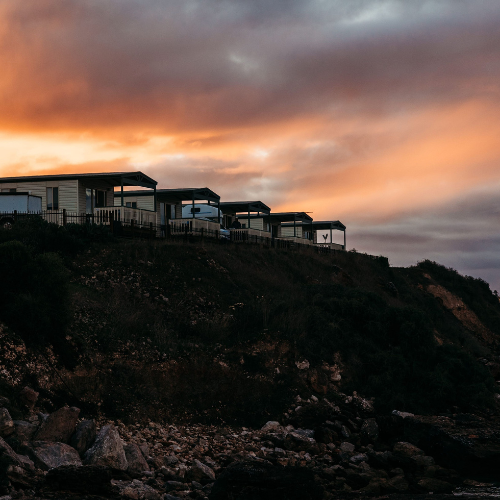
(174,65)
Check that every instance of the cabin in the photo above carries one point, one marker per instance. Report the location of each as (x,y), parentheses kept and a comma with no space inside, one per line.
(168,206)
(319,232)
(81,197)
(249,214)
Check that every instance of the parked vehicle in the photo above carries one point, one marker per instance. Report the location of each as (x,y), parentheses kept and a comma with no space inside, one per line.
(202,211)
(17,204)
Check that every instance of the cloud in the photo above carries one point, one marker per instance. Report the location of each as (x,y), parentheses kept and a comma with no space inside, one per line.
(380,113)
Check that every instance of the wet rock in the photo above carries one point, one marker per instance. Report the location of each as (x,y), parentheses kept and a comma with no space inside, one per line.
(136,462)
(6,423)
(259,480)
(47,455)
(84,436)
(59,425)
(200,473)
(430,484)
(107,450)
(86,479)
(24,431)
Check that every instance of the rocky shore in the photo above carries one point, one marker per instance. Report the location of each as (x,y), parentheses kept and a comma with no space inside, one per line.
(320,450)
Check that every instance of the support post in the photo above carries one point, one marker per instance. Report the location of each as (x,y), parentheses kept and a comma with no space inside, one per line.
(64,217)
(15,215)
(122,193)
(248,226)
(331,240)
(345,247)
(294,226)
(192,210)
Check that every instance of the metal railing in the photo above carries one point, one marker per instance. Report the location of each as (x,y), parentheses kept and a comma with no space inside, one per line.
(181,230)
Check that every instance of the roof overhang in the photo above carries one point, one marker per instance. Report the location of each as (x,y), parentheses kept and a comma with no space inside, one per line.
(292,217)
(111,178)
(176,195)
(237,207)
(320,225)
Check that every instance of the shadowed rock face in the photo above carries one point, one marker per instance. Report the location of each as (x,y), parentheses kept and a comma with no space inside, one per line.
(258,480)
(107,450)
(59,426)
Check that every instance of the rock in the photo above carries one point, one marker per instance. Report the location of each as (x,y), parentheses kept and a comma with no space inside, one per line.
(7,455)
(107,450)
(84,436)
(4,402)
(429,484)
(85,479)
(369,430)
(271,426)
(398,484)
(297,442)
(402,414)
(302,365)
(136,462)
(251,480)
(47,455)
(347,447)
(356,479)
(360,457)
(24,431)
(28,398)
(6,423)
(200,473)
(407,450)
(471,448)
(59,425)
(309,433)
(135,490)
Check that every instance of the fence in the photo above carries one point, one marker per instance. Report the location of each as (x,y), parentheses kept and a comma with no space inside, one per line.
(121,222)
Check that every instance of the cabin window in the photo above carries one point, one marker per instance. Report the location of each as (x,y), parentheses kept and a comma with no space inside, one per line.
(8,190)
(195,210)
(52,198)
(89,200)
(131,204)
(100,198)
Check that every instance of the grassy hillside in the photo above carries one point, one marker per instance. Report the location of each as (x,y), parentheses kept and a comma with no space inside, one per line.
(231,333)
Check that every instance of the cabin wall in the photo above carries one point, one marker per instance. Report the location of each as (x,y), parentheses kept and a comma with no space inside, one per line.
(68,191)
(287,231)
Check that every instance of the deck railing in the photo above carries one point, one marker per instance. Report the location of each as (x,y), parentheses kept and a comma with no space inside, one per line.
(121,223)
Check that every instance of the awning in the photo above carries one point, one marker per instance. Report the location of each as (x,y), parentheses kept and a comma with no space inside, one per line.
(236,207)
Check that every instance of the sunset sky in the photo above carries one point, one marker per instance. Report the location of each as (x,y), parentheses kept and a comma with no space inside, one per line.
(382,114)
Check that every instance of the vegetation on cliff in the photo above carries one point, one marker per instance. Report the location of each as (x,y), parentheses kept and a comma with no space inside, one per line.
(216,332)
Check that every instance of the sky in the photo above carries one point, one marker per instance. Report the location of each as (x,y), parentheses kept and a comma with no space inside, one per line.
(382,114)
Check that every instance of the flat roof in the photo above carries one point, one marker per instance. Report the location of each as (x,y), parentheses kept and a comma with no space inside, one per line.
(245,206)
(177,194)
(112,178)
(320,225)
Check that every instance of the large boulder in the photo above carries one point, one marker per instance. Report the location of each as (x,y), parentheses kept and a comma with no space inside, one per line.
(135,490)
(85,479)
(468,444)
(84,436)
(107,450)
(259,480)
(24,431)
(7,455)
(200,473)
(47,455)
(59,426)
(136,462)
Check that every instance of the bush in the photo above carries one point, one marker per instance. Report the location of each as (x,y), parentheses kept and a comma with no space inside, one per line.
(34,296)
